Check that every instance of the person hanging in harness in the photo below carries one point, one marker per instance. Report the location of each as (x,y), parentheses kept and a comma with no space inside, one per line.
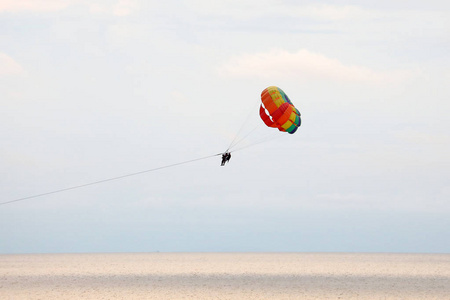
(225,158)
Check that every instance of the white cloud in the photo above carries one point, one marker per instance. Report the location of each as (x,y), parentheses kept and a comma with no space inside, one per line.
(124,7)
(255,8)
(422,137)
(178,97)
(330,12)
(8,66)
(303,65)
(33,5)
(119,8)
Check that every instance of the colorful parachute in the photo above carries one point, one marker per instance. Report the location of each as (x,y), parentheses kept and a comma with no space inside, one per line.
(278,111)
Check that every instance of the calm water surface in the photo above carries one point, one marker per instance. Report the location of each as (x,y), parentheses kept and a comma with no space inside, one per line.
(225,276)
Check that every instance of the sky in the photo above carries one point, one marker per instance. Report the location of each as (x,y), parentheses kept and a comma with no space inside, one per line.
(92,90)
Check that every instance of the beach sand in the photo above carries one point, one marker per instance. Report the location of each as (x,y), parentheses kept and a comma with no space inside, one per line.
(225,276)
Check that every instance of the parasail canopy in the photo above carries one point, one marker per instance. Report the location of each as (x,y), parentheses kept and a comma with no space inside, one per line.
(278,111)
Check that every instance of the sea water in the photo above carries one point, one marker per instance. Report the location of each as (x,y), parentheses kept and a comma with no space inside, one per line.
(225,276)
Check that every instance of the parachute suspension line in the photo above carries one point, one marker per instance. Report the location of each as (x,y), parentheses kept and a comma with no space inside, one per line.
(242,126)
(109,179)
(268,136)
(244,137)
(260,141)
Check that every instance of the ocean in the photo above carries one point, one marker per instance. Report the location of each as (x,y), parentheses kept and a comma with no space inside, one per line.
(225,276)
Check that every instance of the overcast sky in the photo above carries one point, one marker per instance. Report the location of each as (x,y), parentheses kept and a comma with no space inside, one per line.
(96,89)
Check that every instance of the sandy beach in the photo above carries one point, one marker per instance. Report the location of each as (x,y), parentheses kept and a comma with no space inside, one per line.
(225,276)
